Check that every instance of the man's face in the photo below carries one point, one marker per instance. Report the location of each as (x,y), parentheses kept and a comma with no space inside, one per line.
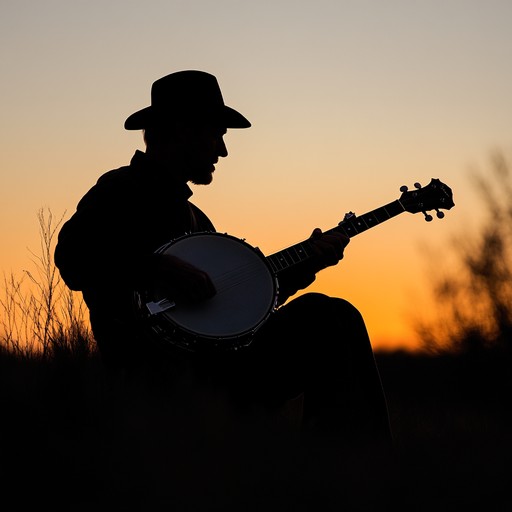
(202,146)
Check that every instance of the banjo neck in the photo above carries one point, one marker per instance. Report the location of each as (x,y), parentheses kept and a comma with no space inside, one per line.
(435,196)
(350,226)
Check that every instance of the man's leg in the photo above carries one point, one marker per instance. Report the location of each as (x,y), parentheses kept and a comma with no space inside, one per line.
(320,346)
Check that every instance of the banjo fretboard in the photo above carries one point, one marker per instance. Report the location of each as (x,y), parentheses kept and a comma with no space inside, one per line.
(351,226)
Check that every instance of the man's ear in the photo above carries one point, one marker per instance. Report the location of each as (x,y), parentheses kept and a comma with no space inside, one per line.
(183,129)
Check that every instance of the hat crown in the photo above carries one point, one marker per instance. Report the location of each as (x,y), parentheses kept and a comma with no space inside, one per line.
(187,89)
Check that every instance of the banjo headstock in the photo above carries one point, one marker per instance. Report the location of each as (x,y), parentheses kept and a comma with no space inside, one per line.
(435,196)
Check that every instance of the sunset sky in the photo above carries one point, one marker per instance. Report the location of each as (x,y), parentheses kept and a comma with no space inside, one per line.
(349,100)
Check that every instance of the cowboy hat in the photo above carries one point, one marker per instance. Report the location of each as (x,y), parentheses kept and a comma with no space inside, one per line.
(183,94)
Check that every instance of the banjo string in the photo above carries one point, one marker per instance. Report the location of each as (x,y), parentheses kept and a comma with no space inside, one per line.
(235,277)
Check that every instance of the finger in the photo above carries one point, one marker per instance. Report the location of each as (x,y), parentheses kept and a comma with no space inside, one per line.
(316,234)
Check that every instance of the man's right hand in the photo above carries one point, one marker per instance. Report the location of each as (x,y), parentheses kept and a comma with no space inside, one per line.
(182,281)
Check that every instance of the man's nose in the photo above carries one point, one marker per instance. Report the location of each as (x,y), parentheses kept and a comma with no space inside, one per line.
(222,149)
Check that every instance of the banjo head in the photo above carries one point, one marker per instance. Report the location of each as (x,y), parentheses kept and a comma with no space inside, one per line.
(246,295)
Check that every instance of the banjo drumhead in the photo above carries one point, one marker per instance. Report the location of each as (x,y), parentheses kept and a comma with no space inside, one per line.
(246,287)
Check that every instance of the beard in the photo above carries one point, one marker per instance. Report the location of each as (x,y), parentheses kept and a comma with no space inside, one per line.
(201,177)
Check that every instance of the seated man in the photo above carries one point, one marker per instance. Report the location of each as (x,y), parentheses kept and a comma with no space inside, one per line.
(313,345)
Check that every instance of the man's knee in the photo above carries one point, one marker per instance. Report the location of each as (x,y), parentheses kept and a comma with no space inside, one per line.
(330,307)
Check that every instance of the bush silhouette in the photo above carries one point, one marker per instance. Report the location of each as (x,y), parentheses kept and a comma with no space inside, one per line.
(474,299)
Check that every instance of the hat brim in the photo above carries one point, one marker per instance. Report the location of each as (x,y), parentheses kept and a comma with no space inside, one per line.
(228,116)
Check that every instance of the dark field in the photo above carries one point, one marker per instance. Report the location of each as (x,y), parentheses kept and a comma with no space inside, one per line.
(71,441)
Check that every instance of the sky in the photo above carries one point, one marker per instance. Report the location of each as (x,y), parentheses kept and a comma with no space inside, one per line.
(348,100)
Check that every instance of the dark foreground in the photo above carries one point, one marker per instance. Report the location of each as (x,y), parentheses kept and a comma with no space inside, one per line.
(71,441)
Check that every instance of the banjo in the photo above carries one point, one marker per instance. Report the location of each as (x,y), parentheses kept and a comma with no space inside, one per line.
(247,282)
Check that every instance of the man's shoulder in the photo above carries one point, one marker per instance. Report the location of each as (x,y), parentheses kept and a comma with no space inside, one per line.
(110,187)
(125,174)
(119,175)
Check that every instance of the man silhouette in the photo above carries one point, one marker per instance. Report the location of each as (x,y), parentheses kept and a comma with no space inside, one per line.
(313,345)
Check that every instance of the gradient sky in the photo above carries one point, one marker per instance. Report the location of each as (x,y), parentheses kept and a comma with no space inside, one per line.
(349,100)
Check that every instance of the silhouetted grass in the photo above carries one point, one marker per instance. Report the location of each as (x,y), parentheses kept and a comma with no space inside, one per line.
(40,317)
(452,416)
(73,440)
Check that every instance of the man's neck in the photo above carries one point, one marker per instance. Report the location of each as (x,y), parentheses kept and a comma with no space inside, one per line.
(167,162)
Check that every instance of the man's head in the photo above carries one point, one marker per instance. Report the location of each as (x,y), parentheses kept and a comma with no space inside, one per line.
(185,124)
